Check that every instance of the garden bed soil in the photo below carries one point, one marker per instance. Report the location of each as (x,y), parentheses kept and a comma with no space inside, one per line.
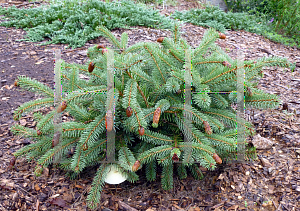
(271,182)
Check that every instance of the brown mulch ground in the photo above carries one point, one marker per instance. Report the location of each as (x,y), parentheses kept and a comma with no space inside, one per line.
(272,182)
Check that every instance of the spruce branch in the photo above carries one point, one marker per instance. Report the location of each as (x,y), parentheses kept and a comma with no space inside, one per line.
(54,154)
(34,86)
(46,122)
(97,186)
(167,177)
(29,148)
(22,130)
(32,105)
(106,33)
(151,171)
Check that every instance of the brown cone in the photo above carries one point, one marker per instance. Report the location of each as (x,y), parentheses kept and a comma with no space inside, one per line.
(222,36)
(38,132)
(207,128)
(161,39)
(156,115)
(141,131)
(62,107)
(136,165)
(91,67)
(129,111)
(175,157)
(100,46)
(217,158)
(85,147)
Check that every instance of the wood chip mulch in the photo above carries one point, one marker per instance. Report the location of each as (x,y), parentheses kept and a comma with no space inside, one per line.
(270,182)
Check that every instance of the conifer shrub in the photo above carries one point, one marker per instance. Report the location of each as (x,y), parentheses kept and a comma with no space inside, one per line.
(148,118)
(214,17)
(74,23)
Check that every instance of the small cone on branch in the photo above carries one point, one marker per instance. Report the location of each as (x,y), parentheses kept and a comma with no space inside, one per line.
(136,165)
(222,36)
(175,157)
(109,120)
(156,117)
(129,111)
(91,67)
(100,46)
(62,107)
(85,147)
(38,132)
(207,128)
(160,39)
(217,158)
(141,131)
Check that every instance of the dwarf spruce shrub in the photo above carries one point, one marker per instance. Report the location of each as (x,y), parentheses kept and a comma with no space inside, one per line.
(145,108)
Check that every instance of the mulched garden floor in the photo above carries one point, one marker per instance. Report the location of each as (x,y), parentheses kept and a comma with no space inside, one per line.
(271,182)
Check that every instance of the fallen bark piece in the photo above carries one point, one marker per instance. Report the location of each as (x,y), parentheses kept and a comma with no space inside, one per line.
(12,163)
(126,207)
(265,162)
(59,202)
(265,50)
(261,142)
